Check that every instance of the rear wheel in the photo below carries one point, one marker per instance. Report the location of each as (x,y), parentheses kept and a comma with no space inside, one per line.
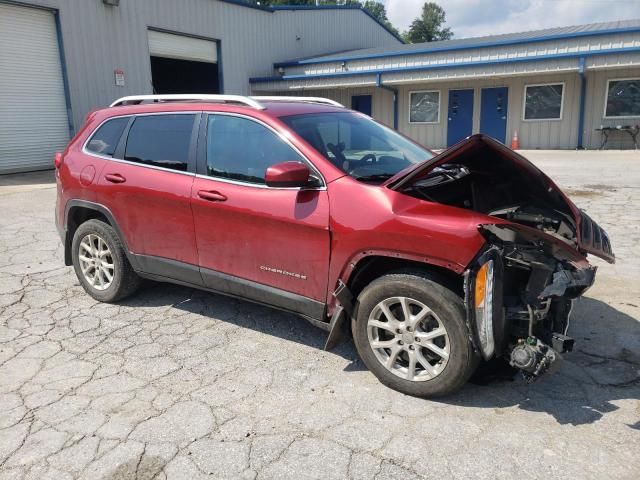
(410,332)
(101,264)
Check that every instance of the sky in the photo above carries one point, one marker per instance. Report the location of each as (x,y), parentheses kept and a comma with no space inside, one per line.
(474,18)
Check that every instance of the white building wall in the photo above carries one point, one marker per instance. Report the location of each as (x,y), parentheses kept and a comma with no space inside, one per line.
(532,134)
(594,111)
(539,134)
(381,104)
(601,56)
(99,38)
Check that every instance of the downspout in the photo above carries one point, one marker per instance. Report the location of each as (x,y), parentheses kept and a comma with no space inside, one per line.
(379,84)
(583,95)
(65,76)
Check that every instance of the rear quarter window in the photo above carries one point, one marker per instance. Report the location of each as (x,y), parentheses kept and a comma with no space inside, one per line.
(105,140)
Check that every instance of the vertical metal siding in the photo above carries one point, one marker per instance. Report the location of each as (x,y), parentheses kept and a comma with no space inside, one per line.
(594,109)
(100,38)
(544,134)
(381,101)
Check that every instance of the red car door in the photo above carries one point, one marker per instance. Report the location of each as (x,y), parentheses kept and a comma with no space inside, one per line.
(147,188)
(266,244)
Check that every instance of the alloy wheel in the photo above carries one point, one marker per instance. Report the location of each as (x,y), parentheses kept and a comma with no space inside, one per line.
(96,262)
(408,339)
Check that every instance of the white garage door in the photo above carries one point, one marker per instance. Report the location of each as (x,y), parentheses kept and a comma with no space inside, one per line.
(180,47)
(33,112)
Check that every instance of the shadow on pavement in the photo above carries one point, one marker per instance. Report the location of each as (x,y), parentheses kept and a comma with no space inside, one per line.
(241,313)
(602,368)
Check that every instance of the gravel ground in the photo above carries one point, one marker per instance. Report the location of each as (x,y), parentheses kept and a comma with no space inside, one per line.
(176,383)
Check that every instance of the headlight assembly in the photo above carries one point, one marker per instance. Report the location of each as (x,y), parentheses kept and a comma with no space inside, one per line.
(484,302)
(483,305)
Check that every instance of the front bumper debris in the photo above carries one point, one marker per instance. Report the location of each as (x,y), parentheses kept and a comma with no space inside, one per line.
(532,294)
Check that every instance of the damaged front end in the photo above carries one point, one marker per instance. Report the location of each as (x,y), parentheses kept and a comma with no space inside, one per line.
(519,299)
(520,288)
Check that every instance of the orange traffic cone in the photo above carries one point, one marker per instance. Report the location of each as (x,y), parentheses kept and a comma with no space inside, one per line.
(515,144)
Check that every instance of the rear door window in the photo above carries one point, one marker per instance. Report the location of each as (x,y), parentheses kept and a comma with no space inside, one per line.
(105,140)
(161,141)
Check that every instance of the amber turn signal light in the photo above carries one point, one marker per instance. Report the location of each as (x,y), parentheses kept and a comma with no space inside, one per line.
(481,285)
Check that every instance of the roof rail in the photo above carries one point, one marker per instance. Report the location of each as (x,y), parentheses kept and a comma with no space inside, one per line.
(137,99)
(326,101)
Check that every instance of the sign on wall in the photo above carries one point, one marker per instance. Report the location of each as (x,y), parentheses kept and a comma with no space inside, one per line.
(119,77)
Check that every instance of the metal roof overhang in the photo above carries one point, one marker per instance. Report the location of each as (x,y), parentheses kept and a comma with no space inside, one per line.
(540,64)
(452,46)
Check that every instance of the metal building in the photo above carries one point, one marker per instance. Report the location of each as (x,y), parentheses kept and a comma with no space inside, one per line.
(557,88)
(59,59)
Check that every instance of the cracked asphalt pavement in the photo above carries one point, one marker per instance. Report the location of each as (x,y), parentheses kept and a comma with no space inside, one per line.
(176,383)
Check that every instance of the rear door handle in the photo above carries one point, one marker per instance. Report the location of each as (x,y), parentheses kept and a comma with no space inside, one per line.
(211,195)
(114,178)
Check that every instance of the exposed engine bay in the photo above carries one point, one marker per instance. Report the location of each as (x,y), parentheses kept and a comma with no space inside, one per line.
(498,189)
(520,289)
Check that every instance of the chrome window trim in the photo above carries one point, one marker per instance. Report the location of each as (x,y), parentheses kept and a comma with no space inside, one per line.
(127,162)
(258,185)
(153,167)
(309,163)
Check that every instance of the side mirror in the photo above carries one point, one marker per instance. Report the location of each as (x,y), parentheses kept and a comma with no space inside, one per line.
(287,174)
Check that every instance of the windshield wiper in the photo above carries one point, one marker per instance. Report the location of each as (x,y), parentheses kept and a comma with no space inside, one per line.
(380,177)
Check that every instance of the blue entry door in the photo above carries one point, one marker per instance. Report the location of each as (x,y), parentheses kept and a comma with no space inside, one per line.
(460,116)
(361,103)
(493,112)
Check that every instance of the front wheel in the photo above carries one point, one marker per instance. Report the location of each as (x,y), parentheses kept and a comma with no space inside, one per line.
(410,332)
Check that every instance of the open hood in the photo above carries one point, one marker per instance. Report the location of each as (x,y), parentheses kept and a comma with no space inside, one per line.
(483,175)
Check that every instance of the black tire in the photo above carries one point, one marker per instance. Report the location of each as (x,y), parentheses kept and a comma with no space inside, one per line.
(449,309)
(125,281)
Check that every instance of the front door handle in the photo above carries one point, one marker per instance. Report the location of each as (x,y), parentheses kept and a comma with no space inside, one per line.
(211,195)
(114,178)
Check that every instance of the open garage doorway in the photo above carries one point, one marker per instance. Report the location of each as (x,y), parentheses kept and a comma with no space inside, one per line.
(170,75)
(183,64)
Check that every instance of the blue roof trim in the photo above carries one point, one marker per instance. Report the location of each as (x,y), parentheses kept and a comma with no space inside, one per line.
(338,7)
(480,44)
(613,51)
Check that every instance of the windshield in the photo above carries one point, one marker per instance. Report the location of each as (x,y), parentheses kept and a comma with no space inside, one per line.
(357,145)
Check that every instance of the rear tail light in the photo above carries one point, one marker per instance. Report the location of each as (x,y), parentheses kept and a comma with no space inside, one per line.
(57,159)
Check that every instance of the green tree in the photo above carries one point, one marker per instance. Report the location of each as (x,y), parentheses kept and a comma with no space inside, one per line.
(378,10)
(429,27)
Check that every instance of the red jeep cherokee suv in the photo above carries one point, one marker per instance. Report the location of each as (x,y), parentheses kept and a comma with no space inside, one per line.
(435,262)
